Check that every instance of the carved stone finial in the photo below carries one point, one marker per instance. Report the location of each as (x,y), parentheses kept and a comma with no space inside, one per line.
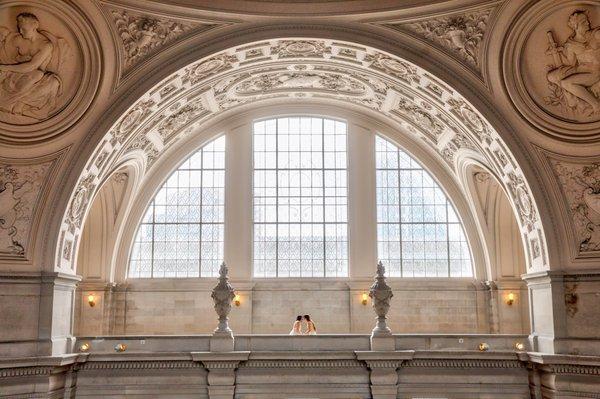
(222,295)
(381,293)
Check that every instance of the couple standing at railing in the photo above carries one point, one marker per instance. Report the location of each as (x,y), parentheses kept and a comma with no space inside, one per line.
(297,329)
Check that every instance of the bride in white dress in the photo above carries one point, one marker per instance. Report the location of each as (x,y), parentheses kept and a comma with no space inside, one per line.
(296,326)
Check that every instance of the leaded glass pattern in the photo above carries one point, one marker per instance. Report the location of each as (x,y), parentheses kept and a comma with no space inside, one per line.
(300,198)
(181,234)
(418,231)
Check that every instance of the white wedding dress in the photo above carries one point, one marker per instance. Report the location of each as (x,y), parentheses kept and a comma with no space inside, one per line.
(296,328)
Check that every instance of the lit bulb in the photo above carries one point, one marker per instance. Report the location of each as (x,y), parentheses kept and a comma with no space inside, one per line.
(237,299)
(365,298)
(519,346)
(120,348)
(84,347)
(483,347)
(92,300)
(510,298)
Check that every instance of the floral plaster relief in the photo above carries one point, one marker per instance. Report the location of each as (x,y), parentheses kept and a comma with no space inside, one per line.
(38,66)
(461,34)
(20,186)
(142,34)
(580,184)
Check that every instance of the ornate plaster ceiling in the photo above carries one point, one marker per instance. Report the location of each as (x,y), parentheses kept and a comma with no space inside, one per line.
(296,70)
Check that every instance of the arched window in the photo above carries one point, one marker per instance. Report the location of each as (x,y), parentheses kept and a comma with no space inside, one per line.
(418,232)
(181,234)
(300,198)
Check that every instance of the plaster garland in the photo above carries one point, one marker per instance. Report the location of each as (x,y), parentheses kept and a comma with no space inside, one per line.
(141,34)
(580,185)
(20,187)
(298,69)
(461,34)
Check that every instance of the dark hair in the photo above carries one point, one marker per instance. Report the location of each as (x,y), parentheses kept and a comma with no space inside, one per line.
(298,318)
(28,15)
(307,317)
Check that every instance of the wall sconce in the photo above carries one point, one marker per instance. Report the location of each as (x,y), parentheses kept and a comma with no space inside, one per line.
(84,347)
(91,300)
(519,346)
(483,347)
(365,298)
(120,348)
(510,299)
(237,299)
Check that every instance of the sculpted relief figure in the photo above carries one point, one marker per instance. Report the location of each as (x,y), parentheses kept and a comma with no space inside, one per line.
(574,75)
(30,62)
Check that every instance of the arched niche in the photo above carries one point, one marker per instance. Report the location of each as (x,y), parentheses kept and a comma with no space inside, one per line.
(505,254)
(310,71)
(100,236)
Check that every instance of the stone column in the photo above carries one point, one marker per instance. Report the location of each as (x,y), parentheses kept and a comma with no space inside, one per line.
(383,372)
(565,316)
(221,371)
(381,293)
(362,224)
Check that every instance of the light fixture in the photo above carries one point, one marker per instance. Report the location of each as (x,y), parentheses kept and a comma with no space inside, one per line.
(519,346)
(91,300)
(365,298)
(237,299)
(510,298)
(483,347)
(120,347)
(84,347)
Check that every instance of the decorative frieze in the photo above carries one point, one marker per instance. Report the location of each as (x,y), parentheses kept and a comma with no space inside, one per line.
(580,185)
(460,34)
(143,34)
(20,189)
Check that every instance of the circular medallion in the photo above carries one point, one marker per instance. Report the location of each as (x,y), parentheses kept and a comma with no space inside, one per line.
(394,66)
(301,48)
(552,68)
(47,77)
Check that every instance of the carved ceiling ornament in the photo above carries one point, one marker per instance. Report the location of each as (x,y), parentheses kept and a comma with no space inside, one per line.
(580,185)
(223,81)
(49,70)
(21,187)
(142,35)
(460,34)
(552,68)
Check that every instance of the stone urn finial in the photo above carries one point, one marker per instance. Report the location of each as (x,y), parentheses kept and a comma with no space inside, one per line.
(381,293)
(222,295)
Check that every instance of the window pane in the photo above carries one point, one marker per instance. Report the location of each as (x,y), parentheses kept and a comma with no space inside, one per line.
(300,198)
(418,231)
(181,234)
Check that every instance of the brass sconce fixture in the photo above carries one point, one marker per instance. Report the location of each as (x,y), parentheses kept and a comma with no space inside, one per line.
(365,298)
(91,300)
(483,347)
(120,348)
(237,299)
(510,299)
(84,347)
(519,346)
